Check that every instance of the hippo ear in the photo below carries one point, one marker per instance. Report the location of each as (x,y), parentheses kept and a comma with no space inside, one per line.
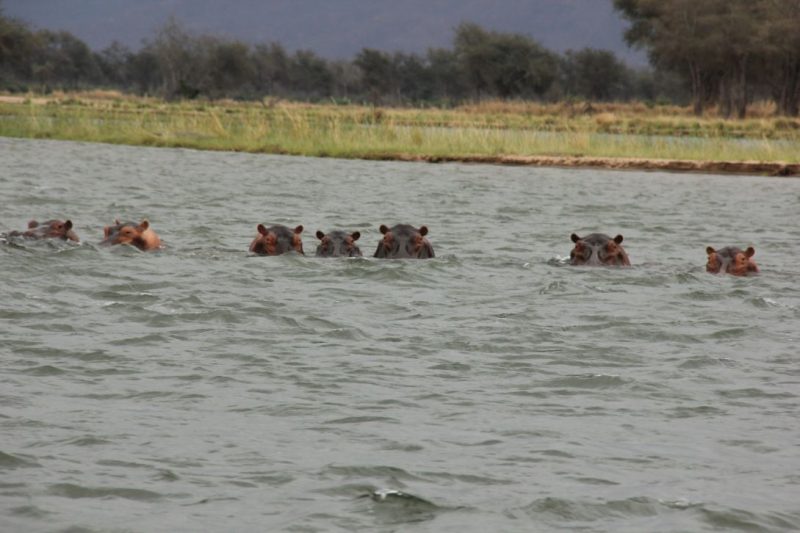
(710,250)
(117,222)
(384,229)
(618,239)
(144,224)
(261,229)
(574,237)
(750,252)
(298,229)
(32,224)
(423,230)
(320,235)
(68,225)
(355,235)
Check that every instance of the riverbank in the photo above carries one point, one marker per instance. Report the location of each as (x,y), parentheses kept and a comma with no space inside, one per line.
(631,136)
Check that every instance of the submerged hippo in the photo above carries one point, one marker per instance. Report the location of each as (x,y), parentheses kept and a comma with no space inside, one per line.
(598,249)
(277,240)
(49,229)
(140,235)
(731,260)
(338,244)
(404,241)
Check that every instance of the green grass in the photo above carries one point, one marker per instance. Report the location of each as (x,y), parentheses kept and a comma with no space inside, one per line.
(489,130)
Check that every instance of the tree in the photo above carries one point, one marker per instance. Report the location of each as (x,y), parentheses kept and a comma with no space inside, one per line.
(377,73)
(271,68)
(447,76)
(680,35)
(114,63)
(144,72)
(309,76)
(16,49)
(741,46)
(413,78)
(179,64)
(503,64)
(781,67)
(60,59)
(596,75)
(346,79)
(230,67)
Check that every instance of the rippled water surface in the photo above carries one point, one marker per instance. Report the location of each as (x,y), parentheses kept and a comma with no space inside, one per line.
(494,388)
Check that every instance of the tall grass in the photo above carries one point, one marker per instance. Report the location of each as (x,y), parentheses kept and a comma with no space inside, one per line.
(489,129)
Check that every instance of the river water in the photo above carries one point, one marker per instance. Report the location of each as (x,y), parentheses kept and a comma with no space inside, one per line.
(493,388)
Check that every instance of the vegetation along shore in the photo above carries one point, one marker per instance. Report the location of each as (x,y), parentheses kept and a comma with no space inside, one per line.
(629,135)
(726,100)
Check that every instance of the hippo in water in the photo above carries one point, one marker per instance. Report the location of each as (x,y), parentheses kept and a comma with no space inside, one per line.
(277,240)
(598,249)
(404,241)
(731,260)
(338,244)
(140,235)
(49,229)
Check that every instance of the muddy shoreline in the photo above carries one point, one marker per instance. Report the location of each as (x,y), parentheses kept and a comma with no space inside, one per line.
(757,168)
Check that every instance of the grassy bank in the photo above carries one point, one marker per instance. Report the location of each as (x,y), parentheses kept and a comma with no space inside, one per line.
(499,132)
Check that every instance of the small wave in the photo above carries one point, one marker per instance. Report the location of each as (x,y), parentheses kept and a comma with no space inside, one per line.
(702,361)
(391,496)
(704,411)
(729,519)
(88,440)
(9,461)
(29,511)
(587,381)
(753,392)
(361,420)
(70,490)
(571,510)
(393,507)
(44,370)
(384,472)
(472,479)
(558,260)
(596,481)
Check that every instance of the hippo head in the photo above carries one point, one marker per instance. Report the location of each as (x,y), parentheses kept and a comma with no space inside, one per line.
(338,244)
(140,235)
(51,229)
(598,249)
(404,241)
(731,260)
(277,240)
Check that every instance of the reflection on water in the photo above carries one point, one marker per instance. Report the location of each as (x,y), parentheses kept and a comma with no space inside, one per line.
(491,388)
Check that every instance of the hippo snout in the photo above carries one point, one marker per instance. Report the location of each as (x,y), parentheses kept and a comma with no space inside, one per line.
(598,249)
(140,235)
(731,260)
(277,240)
(338,244)
(404,241)
(49,229)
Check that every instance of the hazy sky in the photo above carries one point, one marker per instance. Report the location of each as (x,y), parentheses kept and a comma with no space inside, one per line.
(335,28)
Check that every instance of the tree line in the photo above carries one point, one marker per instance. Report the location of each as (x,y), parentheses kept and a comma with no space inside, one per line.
(728,51)
(710,52)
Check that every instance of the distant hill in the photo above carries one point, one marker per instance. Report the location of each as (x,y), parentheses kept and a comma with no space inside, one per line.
(335,28)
